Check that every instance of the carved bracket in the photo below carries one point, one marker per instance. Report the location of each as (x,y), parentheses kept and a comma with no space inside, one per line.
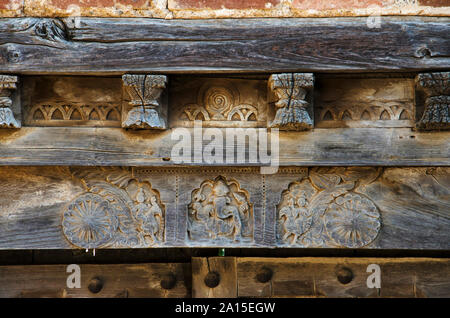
(7,85)
(145,109)
(436,88)
(293,105)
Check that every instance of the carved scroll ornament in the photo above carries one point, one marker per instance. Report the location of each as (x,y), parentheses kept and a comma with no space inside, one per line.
(147,110)
(7,84)
(291,89)
(437,104)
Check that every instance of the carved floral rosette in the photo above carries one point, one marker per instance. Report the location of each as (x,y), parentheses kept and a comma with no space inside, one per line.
(116,211)
(325,211)
(220,213)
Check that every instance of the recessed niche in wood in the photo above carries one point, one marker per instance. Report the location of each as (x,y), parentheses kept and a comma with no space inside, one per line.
(218,102)
(364,102)
(72,101)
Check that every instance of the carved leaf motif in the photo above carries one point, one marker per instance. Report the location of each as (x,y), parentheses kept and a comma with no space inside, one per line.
(324,181)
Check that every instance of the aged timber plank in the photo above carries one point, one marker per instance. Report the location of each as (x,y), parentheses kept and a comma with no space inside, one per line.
(117,147)
(122,281)
(214,277)
(342,277)
(115,46)
(319,207)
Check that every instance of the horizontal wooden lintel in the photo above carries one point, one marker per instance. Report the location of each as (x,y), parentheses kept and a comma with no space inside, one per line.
(115,46)
(229,277)
(324,147)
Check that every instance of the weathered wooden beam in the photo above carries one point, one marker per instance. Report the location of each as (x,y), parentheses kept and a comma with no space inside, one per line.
(323,147)
(342,277)
(117,46)
(156,280)
(230,277)
(328,207)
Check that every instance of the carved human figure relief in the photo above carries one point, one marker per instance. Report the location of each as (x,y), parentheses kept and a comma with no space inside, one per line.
(149,215)
(436,87)
(219,100)
(115,211)
(325,211)
(7,85)
(291,90)
(148,111)
(220,212)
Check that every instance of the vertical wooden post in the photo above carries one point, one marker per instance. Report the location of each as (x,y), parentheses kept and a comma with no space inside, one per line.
(214,277)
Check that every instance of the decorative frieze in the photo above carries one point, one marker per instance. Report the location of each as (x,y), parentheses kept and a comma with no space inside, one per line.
(52,101)
(293,93)
(7,86)
(116,210)
(75,113)
(435,88)
(378,102)
(146,108)
(325,210)
(218,102)
(319,207)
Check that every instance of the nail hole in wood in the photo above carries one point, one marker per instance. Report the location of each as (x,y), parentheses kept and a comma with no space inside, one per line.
(212,279)
(264,275)
(168,281)
(95,285)
(344,275)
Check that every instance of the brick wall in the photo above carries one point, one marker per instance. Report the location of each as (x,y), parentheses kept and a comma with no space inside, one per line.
(198,9)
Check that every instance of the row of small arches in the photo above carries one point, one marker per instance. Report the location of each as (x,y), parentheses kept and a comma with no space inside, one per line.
(65,112)
(238,113)
(386,114)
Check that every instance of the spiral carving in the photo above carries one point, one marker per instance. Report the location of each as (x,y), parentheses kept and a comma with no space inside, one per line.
(217,101)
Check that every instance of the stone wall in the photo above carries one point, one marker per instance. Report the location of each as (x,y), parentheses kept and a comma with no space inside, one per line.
(203,9)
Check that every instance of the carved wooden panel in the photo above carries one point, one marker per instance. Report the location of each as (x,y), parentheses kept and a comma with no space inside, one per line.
(220,211)
(328,207)
(72,101)
(115,210)
(218,102)
(364,102)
